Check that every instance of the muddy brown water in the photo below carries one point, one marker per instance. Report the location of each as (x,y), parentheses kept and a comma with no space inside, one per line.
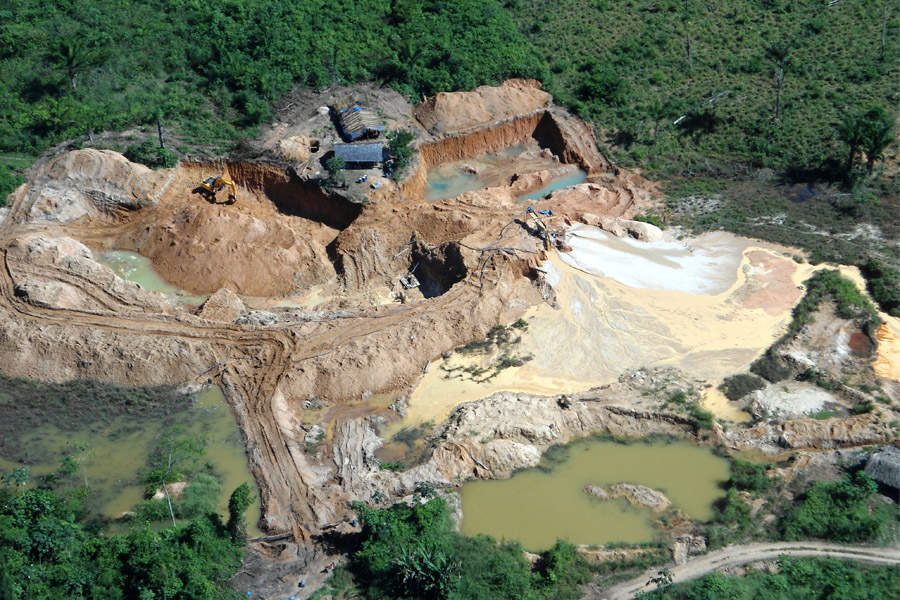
(117,454)
(537,506)
(137,268)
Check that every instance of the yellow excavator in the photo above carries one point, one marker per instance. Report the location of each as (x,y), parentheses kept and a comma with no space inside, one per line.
(217,184)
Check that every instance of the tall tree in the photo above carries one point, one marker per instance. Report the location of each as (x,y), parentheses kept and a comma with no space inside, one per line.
(870,132)
(75,56)
(879,135)
(241,498)
(174,455)
(778,52)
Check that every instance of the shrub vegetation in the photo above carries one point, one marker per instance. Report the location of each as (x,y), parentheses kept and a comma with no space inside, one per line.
(413,552)
(796,579)
(840,511)
(46,552)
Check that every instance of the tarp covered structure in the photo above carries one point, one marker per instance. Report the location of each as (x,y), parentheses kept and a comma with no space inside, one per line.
(359,123)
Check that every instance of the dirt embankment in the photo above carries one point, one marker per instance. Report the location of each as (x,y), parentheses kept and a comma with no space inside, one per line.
(88,183)
(496,436)
(457,111)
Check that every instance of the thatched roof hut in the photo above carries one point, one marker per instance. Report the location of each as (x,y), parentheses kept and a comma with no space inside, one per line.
(358,123)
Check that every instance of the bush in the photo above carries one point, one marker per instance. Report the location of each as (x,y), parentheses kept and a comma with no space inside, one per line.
(703,419)
(771,367)
(738,386)
(200,496)
(679,397)
(750,477)
(400,151)
(150,154)
(335,166)
(9,181)
(652,219)
(883,282)
(840,511)
(562,565)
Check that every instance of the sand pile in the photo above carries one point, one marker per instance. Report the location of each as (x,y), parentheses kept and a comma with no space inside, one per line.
(453,112)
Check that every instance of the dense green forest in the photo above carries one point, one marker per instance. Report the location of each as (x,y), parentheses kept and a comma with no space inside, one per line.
(213,69)
(47,551)
(808,85)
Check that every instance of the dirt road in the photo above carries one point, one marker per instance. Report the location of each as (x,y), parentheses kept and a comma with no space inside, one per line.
(740,555)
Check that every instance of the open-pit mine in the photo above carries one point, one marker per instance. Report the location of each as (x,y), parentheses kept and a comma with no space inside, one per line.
(334,318)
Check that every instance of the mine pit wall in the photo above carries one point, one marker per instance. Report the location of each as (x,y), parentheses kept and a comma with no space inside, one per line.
(541,125)
(291,195)
(437,269)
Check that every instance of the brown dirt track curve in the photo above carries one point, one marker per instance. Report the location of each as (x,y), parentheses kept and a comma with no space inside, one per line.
(735,556)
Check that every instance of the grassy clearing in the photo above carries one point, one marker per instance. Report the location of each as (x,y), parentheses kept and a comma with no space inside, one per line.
(792,69)
(826,221)
(26,405)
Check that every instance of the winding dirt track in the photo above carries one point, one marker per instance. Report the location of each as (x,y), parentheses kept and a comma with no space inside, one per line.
(250,362)
(735,556)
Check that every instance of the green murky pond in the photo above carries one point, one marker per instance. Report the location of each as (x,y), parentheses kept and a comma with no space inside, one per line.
(449,180)
(539,505)
(554,185)
(115,455)
(135,267)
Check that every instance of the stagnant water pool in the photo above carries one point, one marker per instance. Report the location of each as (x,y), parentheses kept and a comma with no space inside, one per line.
(555,184)
(539,505)
(135,267)
(116,454)
(452,179)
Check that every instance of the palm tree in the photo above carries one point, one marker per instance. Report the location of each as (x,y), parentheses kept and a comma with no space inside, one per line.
(72,54)
(852,133)
(878,138)
(75,56)
(778,52)
(872,132)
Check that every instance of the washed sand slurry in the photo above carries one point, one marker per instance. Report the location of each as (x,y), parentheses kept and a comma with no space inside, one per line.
(605,327)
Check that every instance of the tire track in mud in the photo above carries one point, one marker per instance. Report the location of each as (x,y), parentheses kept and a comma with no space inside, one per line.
(250,363)
(255,386)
